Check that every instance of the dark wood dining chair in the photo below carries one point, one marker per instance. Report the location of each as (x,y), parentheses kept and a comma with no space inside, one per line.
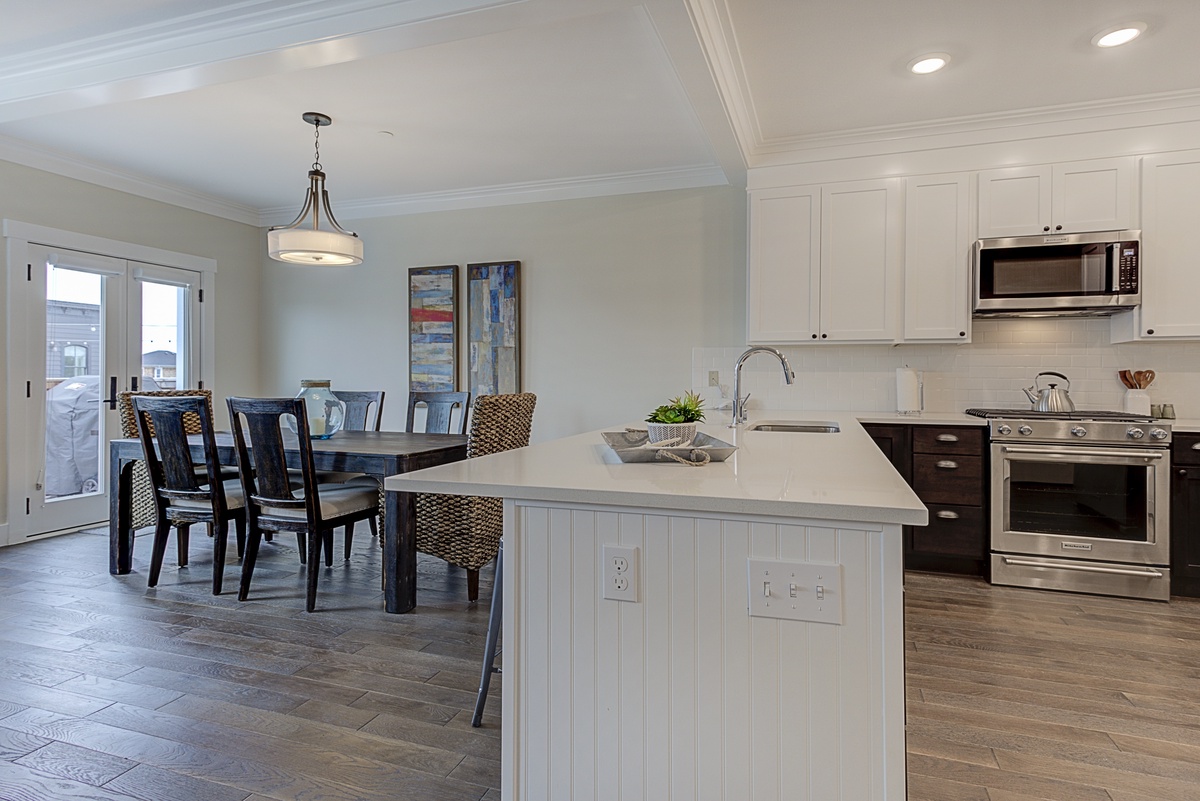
(364,410)
(465,529)
(312,512)
(181,496)
(439,411)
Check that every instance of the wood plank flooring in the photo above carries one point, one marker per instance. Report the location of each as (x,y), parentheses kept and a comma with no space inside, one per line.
(110,691)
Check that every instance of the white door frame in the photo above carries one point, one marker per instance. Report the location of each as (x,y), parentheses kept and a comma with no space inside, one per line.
(15,438)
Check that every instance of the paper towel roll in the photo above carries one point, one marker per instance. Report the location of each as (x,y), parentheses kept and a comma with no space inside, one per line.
(908,391)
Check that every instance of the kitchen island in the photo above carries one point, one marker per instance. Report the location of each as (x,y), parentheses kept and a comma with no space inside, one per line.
(756,651)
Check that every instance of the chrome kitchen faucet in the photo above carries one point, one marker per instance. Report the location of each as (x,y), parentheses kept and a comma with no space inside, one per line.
(739,403)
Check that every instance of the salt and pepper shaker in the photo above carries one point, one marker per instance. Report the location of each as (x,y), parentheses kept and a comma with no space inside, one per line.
(1156,410)
(1168,411)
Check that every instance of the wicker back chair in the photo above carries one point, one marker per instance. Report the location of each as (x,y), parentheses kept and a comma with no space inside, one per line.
(465,529)
(143,510)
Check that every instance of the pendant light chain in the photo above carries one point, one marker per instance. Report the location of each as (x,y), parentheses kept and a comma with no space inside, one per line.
(316,165)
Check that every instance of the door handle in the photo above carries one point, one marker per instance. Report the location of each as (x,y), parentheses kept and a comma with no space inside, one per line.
(133,383)
(111,400)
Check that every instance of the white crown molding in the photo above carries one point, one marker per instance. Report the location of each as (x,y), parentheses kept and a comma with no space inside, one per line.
(513,194)
(718,41)
(984,129)
(67,166)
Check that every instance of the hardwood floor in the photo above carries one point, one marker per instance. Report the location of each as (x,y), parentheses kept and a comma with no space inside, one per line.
(112,691)
(1020,694)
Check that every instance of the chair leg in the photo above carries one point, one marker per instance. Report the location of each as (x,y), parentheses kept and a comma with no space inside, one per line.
(493,636)
(248,561)
(302,546)
(220,540)
(327,541)
(162,532)
(349,538)
(315,539)
(373,520)
(473,586)
(182,543)
(239,523)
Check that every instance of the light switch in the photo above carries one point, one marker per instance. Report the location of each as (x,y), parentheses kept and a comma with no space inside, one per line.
(813,590)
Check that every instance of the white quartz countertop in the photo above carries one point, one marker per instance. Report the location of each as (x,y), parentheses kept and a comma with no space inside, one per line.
(837,476)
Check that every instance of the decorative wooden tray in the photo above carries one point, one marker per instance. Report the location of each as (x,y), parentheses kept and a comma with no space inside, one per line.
(634,446)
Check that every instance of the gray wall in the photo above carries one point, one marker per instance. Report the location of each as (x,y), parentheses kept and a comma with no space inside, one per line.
(615,293)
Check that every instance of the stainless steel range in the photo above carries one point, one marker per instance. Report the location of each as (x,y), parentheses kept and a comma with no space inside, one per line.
(1080,501)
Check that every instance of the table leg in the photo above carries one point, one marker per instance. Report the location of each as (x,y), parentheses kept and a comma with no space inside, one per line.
(400,552)
(120,517)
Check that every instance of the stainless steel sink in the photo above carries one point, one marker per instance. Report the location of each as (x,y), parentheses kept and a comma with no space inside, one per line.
(796,426)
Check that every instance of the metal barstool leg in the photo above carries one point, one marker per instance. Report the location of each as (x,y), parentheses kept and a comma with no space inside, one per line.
(492,648)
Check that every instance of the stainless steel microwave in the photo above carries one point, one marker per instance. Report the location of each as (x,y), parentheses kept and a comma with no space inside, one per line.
(1058,274)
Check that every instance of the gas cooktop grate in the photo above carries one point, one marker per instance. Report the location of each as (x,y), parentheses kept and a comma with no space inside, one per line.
(1078,414)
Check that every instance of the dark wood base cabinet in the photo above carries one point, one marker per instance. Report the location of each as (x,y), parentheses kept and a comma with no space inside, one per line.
(1185,515)
(947,467)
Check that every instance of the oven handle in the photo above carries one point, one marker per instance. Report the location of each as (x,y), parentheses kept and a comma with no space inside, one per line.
(1054,454)
(1120,571)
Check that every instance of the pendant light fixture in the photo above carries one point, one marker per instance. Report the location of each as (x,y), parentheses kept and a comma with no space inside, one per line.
(303,240)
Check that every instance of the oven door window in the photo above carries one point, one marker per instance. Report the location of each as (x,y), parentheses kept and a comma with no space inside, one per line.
(1099,501)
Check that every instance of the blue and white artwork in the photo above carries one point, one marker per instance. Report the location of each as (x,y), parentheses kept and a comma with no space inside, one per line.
(493,328)
(432,332)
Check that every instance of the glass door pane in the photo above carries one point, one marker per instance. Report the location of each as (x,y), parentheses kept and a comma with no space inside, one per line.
(75,333)
(164,337)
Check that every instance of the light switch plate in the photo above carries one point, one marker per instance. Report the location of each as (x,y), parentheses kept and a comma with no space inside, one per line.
(810,591)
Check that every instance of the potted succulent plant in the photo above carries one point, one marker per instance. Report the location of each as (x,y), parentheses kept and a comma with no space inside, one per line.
(676,419)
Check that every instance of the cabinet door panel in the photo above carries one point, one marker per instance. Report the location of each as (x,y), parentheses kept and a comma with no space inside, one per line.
(952,531)
(1170,280)
(861,247)
(937,258)
(1014,201)
(967,441)
(1094,195)
(783,287)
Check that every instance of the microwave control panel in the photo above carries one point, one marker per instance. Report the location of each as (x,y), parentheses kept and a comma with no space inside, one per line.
(1127,263)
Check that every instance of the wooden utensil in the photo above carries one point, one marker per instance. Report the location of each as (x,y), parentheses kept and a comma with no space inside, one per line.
(1143,378)
(1126,379)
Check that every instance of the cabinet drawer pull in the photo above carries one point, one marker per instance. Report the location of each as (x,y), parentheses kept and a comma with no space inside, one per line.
(946,464)
(947,438)
(947,515)
(1196,446)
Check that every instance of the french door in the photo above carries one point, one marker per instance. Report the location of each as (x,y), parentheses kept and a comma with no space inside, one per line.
(94,325)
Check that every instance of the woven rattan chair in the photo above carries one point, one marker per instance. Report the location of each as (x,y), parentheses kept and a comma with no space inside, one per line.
(142,508)
(183,495)
(465,529)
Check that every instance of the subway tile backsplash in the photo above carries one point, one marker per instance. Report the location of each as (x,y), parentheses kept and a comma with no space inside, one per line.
(1003,357)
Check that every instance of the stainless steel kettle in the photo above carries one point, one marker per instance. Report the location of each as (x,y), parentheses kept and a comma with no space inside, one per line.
(1051,398)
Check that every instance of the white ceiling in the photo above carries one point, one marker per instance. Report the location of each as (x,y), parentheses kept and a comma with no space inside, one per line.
(199,101)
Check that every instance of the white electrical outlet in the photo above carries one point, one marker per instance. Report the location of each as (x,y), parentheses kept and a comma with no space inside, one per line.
(714,378)
(621,573)
(809,591)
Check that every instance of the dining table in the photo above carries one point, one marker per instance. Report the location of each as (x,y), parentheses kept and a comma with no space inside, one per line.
(375,453)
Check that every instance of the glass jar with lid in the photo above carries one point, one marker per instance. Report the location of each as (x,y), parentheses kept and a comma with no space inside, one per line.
(326,414)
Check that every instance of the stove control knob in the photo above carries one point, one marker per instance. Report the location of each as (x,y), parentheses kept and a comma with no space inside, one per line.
(1135,433)
(1025,431)
(1158,433)
(1005,429)
(1079,431)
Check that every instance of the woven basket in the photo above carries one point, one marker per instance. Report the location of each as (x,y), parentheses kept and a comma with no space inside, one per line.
(684,433)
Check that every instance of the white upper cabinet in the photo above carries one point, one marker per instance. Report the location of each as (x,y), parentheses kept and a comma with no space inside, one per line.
(1061,198)
(937,258)
(862,235)
(783,292)
(1170,280)
(825,263)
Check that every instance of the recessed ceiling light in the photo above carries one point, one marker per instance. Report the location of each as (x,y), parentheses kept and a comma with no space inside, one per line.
(1122,34)
(930,62)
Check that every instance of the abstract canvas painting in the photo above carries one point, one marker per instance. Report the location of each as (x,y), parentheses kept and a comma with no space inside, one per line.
(493,326)
(432,329)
